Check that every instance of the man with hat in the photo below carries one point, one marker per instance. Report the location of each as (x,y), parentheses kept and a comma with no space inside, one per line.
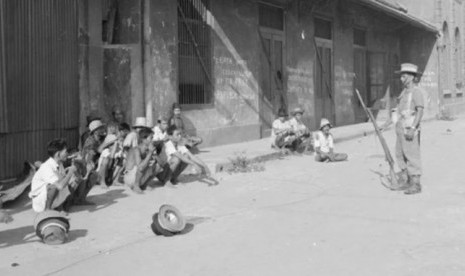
(302,133)
(93,148)
(86,134)
(324,144)
(176,120)
(409,114)
(52,184)
(132,139)
(282,135)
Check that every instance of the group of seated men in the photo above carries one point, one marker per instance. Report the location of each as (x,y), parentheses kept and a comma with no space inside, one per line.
(114,151)
(292,135)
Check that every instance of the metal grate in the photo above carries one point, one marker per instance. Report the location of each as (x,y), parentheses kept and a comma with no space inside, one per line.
(323,29)
(271,17)
(194,52)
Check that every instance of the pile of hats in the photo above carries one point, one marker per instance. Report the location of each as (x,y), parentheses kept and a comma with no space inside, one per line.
(168,221)
(51,227)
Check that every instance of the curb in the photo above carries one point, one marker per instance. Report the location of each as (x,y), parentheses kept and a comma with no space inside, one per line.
(224,166)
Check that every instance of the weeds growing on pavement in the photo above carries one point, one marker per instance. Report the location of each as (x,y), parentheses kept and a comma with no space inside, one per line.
(445,115)
(241,164)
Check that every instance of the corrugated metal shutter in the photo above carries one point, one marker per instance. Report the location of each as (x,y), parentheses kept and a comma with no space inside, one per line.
(3,113)
(41,70)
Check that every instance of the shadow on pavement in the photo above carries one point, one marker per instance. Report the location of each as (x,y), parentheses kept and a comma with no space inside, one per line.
(27,234)
(17,236)
(101,201)
(76,234)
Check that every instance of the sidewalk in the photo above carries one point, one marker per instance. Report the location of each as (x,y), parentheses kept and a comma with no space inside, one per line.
(217,157)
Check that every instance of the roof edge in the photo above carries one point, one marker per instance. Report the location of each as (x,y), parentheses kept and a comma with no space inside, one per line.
(390,9)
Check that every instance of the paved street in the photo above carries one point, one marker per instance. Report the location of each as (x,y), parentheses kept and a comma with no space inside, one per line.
(297,217)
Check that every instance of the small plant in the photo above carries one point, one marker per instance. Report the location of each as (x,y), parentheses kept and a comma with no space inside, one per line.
(445,115)
(241,164)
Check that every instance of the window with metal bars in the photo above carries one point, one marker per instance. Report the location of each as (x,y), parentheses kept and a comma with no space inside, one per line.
(194,53)
(271,17)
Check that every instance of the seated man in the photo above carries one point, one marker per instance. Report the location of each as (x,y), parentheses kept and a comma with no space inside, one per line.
(132,139)
(112,158)
(302,133)
(179,157)
(176,120)
(86,133)
(52,184)
(140,164)
(282,134)
(93,148)
(117,115)
(324,145)
(160,134)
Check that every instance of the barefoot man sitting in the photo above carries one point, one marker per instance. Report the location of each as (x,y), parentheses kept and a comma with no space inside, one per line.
(140,164)
(179,157)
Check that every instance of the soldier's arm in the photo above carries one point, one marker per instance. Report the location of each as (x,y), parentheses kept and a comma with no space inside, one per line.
(419,107)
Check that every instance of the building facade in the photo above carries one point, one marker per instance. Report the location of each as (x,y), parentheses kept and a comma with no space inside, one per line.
(231,64)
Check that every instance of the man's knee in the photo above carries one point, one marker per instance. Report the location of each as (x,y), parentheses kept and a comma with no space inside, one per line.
(174,162)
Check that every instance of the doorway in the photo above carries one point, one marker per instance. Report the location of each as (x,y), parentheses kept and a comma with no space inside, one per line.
(272,49)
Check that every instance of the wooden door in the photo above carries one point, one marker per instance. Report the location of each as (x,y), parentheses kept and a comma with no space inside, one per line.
(272,96)
(324,96)
(360,82)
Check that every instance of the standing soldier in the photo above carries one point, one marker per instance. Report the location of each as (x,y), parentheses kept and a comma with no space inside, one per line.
(409,115)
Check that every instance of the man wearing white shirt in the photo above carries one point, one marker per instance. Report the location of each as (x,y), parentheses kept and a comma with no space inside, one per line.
(282,134)
(301,131)
(324,145)
(179,157)
(51,183)
(160,134)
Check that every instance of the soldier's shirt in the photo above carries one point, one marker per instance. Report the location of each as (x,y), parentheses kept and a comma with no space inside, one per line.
(417,100)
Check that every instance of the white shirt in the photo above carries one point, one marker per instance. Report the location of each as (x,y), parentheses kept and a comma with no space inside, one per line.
(131,140)
(171,149)
(158,134)
(325,143)
(296,125)
(49,172)
(278,125)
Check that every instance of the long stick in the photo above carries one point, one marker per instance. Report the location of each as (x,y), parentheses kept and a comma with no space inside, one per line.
(387,153)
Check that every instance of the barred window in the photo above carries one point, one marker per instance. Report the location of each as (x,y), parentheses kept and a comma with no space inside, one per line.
(194,52)
(271,17)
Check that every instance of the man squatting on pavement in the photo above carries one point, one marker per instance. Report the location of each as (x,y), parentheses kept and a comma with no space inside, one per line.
(52,185)
(409,115)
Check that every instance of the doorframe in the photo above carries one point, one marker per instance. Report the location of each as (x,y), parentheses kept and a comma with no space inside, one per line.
(321,42)
(264,31)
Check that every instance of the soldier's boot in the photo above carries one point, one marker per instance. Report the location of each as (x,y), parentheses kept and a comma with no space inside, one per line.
(415,186)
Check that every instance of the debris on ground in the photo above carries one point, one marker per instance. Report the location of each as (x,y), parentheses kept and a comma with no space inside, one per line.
(240,163)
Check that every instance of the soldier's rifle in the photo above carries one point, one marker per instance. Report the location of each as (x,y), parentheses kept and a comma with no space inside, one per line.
(392,174)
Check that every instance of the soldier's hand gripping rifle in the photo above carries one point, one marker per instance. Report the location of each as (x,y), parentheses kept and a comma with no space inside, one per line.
(394,182)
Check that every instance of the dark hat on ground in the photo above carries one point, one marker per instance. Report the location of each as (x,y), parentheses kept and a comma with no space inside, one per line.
(51,227)
(282,113)
(168,221)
